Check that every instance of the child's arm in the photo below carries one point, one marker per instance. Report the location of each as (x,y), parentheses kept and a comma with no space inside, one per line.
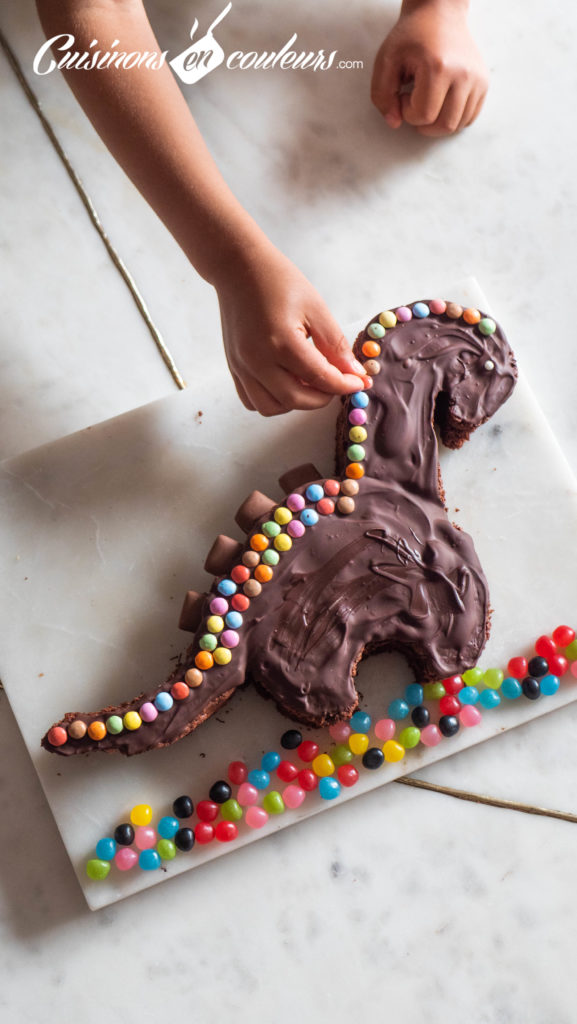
(268,307)
(431,48)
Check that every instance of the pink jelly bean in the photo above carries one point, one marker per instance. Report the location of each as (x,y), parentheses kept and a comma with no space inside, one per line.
(144,837)
(293,796)
(437,306)
(340,732)
(573,669)
(296,528)
(295,502)
(256,817)
(357,417)
(431,735)
(148,712)
(125,858)
(385,729)
(219,606)
(229,638)
(470,715)
(404,314)
(247,794)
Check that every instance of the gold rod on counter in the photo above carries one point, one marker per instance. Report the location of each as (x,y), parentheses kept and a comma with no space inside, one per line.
(91,211)
(477,798)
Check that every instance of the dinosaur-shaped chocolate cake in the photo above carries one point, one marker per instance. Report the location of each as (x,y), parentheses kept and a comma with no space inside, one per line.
(345,566)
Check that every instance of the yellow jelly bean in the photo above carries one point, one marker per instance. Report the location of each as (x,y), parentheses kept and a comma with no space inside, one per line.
(358,742)
(141,814)
(323,765)
(393,751)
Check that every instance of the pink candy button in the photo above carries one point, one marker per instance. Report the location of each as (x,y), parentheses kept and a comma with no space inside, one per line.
(295,528)
(357,417)
(229,638)
(219,606)
(295,502)
(437,306)
(148,712)
(404,314)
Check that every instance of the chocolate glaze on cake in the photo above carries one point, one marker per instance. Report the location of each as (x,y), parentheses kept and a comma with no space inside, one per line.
(394,573)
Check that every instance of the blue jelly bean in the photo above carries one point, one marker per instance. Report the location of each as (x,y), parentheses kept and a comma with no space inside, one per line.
(510,688)
(163,702)
(270,761)
(488,698)
(233,620)
(149,860)
(360,400)
(360,721)
(309,517)
(414,694)
(105,848)
(226,587)
(398,709)
(549,686)
(329,788)
(168,827)
(259,779)
(469,695)
(314,492)
(421,310)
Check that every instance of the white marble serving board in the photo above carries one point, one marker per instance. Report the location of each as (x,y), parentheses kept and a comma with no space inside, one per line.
(106,529)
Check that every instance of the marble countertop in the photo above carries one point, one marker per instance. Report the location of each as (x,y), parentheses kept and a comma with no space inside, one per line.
(402,902)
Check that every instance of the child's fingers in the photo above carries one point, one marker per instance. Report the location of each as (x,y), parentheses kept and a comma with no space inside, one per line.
(451,112)
(478,106)
(261,399)
(424,103)
(469,108)
(317,368)
(242,393)
(293,393)
(332,344)
(385,86)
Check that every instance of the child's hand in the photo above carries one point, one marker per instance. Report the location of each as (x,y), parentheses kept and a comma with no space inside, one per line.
(430,48)
(270,313)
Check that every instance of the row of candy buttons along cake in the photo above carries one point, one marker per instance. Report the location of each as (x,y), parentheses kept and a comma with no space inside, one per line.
(329,772)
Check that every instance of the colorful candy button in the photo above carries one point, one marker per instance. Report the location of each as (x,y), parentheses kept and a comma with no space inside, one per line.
(147,712)
(132,721)
(97,730)
(421,310)
(359,400)
(487,326)
(295,502)
(57,736)
(203,661)
(226,587)
(309,517)
(163,701)
(179,691)
(283,516)
(314,492)
(404,314)
(376,330)
(222,656)
(387,318)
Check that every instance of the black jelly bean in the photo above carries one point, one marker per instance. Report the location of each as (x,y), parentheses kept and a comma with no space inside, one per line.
(448,725)
(420,716)
(291,739)
(373,758)
(183,807)
(184,839)
(124,834)
(531,687)
(538,667)
(220,791)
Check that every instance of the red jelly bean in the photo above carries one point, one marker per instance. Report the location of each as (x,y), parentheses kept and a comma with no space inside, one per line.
(203,833)
(308,780)
(545,647)
(308,750)
(563,636)
(237,772)
(226,831)
(207,810)
(347,774)
(452,685)
(240,602)
(287,771)
(518,668)
(449,705)
(558,664)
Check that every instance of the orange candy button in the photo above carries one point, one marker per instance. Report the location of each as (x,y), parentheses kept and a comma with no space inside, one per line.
(263,573)
(371,349)
(179,691)
(204,660)
(57,736)
(355,471)
(471,316)
(97,730)
(259,542)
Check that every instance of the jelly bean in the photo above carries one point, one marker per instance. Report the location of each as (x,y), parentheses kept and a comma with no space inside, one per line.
(437,306)
(225,832)
(398,709)
(237,772)
(347,775)
(272,557)
(147,712)
(545,647)
(252,588)
(179,691)
(538,667)
(404,314)
(571,651)
(203,661)
(218,606)
(295,502)
(97,730)
(247,794)
(309,517)
(489,699)
(291,739)
(141,814)
(168,827)
(97,870)
(106,848)
(203,833)
(414,693)
(471,316)
(256,817)
(511,688)
(393,751)
(573,669)
(358,742)
(283,542)
(357,417)
(219,792)
(563,635)
(124,834)
(184,839)
(359,400)
(114,724)
(222,656)
(388,318)
(163,701)
(149,860)
(329,788)
(371,349)
(144,837)
(314,492)
(273,803)
(230,638)
(549,685)
(307,779)
(473,676)
(326,507)
(421,310)
(226,588)
(410,737)
(517,667)
(340,731)
(341,754)
(296,528)
(231,810)
(420,716)
(558,665)
(183,807)
(531,688)
(125,859)
(308,750)
(270,761)
(469,695)
(207,810)
(166,849)
(487,326)
(493,677)
(287,771)
(449,725)
(453,684)
(431,736)
(433,691)
(77,729)
(57,736)
(373,758)
(259,779)
(376,330)
(385,729)
(346,505)
(470,716)
(360,721)
(356,452)
(449,705)
(293,796)
(323,765)
(208,642)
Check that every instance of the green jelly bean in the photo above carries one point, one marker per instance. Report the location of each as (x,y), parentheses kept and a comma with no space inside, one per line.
(341,754)
(571,651)
(473,676)
(97,869)
(493,677)
(166,849)
(410,736)
(433,691)
(231,810)
(273,803)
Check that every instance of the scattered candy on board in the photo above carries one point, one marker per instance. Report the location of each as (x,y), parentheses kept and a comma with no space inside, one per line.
(301,767)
